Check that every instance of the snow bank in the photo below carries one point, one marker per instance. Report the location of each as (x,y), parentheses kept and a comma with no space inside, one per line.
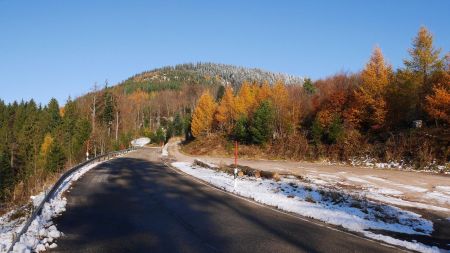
(140,142)
(351,212)
(42,232)
(164,151)
(417,246)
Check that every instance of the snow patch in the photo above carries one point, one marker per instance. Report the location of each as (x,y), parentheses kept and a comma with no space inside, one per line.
(140,142)
(357,179)
(299,197)
(439,197)
(42,232)
(164,151)
(417,246)
(445,189)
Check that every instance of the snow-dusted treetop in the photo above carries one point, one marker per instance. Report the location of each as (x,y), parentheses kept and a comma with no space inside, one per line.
(236,74)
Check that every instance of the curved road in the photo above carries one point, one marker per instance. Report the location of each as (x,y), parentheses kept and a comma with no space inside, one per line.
(137,204)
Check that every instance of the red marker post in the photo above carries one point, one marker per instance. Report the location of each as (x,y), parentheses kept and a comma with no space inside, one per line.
(235,159)
(235,153)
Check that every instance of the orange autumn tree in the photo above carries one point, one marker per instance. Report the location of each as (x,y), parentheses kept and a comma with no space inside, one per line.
(438,102)
(263,92)
(224,113)
(246,100)
(370,104)
(203,116)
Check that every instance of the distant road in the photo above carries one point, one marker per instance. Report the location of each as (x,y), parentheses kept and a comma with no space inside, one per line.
(137,204)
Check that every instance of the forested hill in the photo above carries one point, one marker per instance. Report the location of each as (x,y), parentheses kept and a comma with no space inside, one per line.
(38,142)
(173,77)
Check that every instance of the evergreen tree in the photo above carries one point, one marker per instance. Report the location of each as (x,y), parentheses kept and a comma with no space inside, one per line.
(82,132)
(262,124)
(108,108)
(240,132)
(6,175)
(316,132)
(220,93)
(178,125)
(54,116)
(309,86)
(55,158)
(335,131)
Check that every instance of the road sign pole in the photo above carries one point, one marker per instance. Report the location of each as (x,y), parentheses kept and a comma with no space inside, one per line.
(235,153)
(235,159)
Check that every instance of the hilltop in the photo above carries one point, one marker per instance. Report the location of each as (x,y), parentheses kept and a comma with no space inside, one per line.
(209,74)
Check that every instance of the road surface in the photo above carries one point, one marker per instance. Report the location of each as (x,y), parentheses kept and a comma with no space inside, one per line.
(137,204)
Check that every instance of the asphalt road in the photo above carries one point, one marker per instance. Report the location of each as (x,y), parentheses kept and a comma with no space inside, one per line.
(137,204)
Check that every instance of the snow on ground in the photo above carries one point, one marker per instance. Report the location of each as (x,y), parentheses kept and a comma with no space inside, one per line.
(352,212)
(140,142)
(164,151)
(373,163)
(444,189)
(439,197)
(42,232)
(384,190)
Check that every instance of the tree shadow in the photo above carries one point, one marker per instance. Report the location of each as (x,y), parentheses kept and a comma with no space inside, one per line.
(133,205)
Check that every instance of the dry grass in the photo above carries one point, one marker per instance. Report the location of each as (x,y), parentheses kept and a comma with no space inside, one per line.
(419,148)
(20,195)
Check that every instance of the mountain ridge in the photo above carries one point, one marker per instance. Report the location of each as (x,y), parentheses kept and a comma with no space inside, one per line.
(206,73)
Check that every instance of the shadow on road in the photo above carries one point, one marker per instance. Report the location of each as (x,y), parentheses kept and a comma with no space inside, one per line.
(134,205)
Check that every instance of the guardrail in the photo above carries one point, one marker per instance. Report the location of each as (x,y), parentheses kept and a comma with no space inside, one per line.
(50,195)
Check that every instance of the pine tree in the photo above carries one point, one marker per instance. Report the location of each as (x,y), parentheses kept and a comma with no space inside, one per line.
(6,175)
(203,116)
(53,114)
(55,158)
(178,125)
(220,93)
(108,109)
(240,130)
(309,86)
(261,128)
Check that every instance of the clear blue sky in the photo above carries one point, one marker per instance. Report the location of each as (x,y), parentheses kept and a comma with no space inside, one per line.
(60,48)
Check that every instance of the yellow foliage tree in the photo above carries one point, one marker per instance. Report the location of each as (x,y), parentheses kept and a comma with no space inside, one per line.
(370,104)
(283,108)
(224,114)
(203,116)
(45,148)
(246,99)
(263,92)
(425,59)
